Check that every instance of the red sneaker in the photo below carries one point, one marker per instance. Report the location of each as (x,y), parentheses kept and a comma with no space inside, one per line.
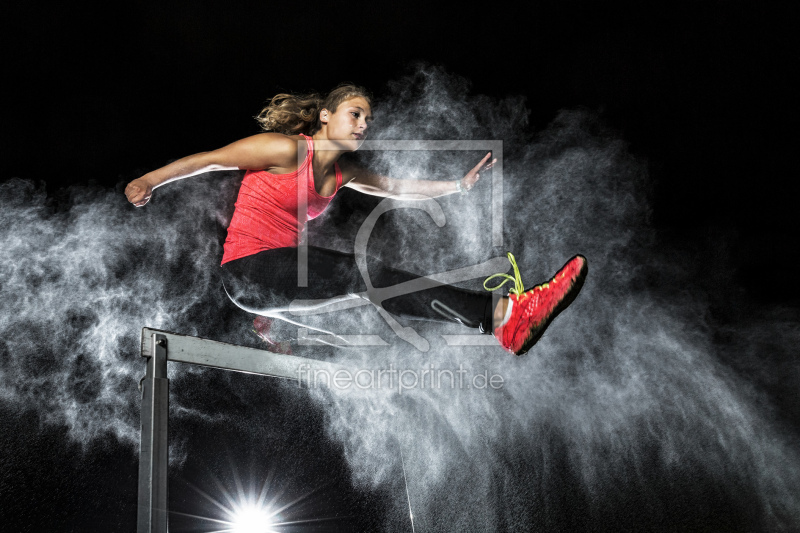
(533,310)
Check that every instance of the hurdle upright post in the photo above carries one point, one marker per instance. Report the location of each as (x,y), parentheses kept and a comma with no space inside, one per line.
(153,451)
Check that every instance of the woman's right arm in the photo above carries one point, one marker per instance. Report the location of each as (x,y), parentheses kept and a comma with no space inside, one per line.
(259,152)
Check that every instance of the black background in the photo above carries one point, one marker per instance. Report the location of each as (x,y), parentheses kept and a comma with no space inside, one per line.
(703,91)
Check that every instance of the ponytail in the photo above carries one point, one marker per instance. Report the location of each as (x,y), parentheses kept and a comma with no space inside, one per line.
(291,114)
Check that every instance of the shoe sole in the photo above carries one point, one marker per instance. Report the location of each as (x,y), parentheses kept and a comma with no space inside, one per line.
(563,304)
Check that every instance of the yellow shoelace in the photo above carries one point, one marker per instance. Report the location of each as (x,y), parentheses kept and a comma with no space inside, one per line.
(518,287)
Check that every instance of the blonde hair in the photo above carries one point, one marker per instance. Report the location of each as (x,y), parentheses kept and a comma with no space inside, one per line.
(291,114)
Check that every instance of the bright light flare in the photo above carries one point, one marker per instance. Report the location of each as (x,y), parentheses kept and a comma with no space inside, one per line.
(251,520)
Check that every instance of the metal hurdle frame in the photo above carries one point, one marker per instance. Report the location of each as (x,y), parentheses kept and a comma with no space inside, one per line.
(162,346)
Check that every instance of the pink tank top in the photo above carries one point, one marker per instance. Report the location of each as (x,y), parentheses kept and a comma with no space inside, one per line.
(266,214)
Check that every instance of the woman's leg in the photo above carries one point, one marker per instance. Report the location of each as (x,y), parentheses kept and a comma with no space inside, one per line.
(269,280)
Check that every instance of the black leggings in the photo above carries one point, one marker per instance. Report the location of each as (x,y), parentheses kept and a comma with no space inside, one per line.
(266,283)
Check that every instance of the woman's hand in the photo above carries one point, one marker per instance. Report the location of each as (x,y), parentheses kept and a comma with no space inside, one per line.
(472,177)
(139,191)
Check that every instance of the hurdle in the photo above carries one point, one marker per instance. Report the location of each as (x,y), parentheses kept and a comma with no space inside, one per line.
(159,348)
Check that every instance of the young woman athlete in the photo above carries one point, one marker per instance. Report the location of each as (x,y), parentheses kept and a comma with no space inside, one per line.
(260,256)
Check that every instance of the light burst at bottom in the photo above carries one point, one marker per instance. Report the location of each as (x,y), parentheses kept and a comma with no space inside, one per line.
(251,520)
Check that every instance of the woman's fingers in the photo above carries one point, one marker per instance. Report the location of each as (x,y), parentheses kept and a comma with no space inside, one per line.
(136,195)
(132,193)
(483,165)
(141,201)
(482,162)
(473,175)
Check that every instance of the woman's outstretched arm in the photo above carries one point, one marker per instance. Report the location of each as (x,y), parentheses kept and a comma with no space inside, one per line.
(368,182)
(259,152)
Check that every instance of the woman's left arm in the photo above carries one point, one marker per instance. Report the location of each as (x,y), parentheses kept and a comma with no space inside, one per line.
(363,180)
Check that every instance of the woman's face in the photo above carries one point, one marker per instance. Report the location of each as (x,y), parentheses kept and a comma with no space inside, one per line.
(349,122)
